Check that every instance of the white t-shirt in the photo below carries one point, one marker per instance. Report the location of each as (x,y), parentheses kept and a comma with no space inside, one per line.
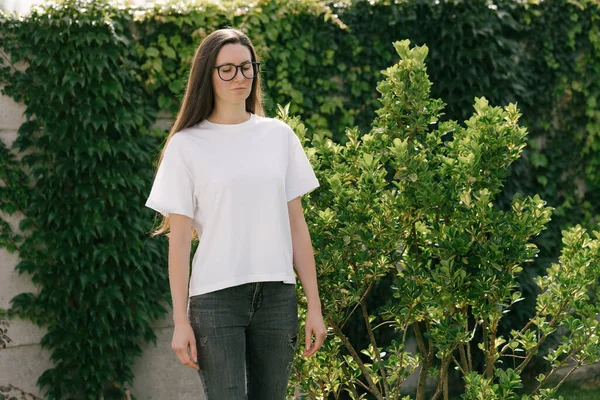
(235,181)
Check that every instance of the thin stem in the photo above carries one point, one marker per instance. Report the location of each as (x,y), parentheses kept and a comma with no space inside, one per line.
(486,348)
(383,323)
(568,375)
(543,336)
(414,235)
(464,372)
(398,383)
(531,354)
(438,390)
(364,295)
(323,391)
(7,58)
(463,358)
(365,313)
(353,391)
(507,345)
(430,346)
(469,357)
(468,345)
(424,365)
(405,329)
(419,338)
(14,244)
(515,357)
(372,388)
(446,391)
(363,385)
(350,383)
(24,393)
(19,207)
(571,354)
(310,391)
(492,349)
(442,387)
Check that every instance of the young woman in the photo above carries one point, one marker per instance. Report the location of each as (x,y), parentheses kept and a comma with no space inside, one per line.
(235,178)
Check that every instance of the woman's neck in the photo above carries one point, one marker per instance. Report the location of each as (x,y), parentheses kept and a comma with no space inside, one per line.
(229,115)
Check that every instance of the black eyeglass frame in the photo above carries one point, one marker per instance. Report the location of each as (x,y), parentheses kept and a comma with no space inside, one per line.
(255,68)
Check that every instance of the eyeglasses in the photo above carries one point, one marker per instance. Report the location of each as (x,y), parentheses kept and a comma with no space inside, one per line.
(229,71)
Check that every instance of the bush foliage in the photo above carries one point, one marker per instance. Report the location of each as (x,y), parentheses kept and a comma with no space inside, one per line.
(407,202)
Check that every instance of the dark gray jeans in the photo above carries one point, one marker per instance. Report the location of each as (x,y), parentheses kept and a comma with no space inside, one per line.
(246,339)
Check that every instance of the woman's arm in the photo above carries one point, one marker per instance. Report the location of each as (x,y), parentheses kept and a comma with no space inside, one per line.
(180,243)
(304,264)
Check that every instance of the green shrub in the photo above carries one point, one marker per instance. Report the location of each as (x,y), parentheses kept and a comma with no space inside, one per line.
(413,199)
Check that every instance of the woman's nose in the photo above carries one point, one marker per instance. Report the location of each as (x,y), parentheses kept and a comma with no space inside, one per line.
(239,77)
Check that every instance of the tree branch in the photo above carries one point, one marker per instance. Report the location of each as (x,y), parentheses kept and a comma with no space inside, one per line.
(7,58)
(362,298)
(463,358)
(372,387)
(442,387)
(424,364)
(464,372)
(543,337)
(405,329)
(468,345)
(568,375)
(486,348)
(571,354)
(507,345)
(350,383)
(386,388)
(492,350)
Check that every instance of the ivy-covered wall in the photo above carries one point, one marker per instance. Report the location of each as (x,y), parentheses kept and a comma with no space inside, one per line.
(99,74)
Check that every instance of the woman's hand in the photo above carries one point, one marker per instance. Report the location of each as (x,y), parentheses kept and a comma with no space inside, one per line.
(314,326)
(183,339)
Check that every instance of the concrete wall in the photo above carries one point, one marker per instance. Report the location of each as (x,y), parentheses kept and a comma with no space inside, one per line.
(158,374)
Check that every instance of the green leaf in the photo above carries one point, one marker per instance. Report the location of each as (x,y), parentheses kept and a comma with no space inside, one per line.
(152,52)
(169,52)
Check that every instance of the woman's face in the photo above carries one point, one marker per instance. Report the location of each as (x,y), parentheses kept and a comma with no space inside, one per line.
(238,89)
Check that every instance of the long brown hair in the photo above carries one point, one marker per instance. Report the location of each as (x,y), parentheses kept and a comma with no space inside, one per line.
(199,98)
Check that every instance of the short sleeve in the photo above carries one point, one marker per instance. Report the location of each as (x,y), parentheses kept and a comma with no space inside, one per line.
(300,177)
(173,188)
